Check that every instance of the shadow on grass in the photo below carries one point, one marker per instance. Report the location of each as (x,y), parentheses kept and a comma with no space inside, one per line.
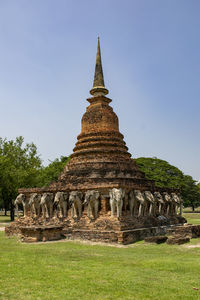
(192,212)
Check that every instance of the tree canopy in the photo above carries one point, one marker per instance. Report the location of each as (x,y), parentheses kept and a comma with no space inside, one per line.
(18,167)
(52,171)
(21,166)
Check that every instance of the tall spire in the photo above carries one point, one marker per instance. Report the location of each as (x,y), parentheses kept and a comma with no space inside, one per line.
(98,84)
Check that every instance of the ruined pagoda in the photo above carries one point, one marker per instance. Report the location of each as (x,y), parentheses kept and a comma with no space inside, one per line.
(100,166)
(100,159)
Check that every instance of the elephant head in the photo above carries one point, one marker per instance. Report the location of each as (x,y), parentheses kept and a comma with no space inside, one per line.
(91,195)
(139,196)
(158,197)
(20,199)
(149,196)
(175,197)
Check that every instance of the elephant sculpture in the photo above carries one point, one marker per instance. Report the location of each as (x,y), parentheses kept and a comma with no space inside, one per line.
(34,203)
(21,199)
(132,203)
(167,200)
(116,201)
(176,202)
(149,202)
(180,204)
(75,198)
(159,199)
(61,199)
(140,202)
(92,200)
(47,205)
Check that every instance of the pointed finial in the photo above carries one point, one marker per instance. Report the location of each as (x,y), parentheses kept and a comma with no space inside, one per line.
(98,84)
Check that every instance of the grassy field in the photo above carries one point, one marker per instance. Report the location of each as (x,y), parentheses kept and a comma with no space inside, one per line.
(192,218)
(189,209)
(70,270)
(4,219)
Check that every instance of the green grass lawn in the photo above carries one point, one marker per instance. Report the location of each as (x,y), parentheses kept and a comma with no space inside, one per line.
(4,219)
(69,270)
(192,218)
(189,209)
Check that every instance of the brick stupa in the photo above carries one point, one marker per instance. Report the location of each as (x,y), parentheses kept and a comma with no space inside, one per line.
(100,159)
(101,162)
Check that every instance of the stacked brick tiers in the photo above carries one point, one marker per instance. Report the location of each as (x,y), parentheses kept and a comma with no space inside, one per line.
(101,159)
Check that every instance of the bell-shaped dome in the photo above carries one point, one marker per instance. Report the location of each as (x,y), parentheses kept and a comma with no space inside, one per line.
(99,117)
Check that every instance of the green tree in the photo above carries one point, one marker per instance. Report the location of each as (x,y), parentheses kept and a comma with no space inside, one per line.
(190,192)
(1,199)
(52,171)
(19,167)
(166,175)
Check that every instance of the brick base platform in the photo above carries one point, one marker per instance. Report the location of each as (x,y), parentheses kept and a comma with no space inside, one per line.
(41,233)
(110,230)
(122,237)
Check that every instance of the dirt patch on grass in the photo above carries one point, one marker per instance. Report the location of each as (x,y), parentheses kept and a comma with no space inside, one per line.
(192,246)
(82,242)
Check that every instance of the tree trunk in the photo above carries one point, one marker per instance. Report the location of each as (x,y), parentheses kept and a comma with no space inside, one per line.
(193,208)
(12,212)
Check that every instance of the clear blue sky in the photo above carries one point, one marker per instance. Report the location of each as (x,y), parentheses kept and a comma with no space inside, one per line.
(151,61)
